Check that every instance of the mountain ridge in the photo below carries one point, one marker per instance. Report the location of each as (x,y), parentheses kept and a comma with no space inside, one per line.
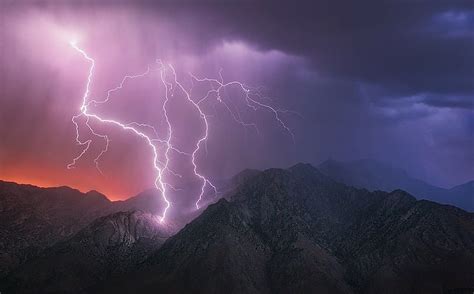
(34,218)
(108,246)
(274,231)
(374,175)
(296,230)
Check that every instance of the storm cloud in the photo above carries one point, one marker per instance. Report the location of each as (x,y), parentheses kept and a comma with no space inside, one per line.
(391,80)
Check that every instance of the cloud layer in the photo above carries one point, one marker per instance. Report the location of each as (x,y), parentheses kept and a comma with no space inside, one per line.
(384,79)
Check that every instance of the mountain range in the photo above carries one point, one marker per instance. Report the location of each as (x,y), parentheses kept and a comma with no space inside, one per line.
(375,175)
(293,230)
(33,218)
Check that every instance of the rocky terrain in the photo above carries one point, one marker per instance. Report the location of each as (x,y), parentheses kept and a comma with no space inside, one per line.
(111,245)
(297,231)
(33,219)
(275,231)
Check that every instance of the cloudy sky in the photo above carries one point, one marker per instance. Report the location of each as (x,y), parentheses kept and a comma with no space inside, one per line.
(389,80)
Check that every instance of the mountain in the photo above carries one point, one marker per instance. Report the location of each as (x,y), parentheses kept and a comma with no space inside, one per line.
(464,195)
(33,218)
(298,231)
(374,175)
(108,246)
(149,201)
(274,231)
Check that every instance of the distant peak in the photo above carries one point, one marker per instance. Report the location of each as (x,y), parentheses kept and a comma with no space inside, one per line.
(97,194)
(301,165)
(401,194)
(307,170)
(147,193)
(466,185)
(94,192)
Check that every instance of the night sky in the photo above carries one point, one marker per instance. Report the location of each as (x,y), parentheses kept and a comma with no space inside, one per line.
(388,80)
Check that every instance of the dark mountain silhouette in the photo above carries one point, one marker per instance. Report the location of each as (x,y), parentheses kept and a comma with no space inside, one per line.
(374,175)
(297,231)
(34,218)
(274,231)
(109,246)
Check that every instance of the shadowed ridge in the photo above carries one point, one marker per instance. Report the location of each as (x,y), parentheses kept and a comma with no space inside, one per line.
(298,231)
(302,166)
(374,175)
(308,171)
(8,186)
(149,201)
(209,255)
(34,218)
(294,230)
(99,197)
(401,195)
(109,246)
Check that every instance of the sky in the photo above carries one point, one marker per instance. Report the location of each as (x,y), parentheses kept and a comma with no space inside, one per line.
(388,80)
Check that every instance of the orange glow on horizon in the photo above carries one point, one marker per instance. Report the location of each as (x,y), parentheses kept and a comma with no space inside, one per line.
(51,184)
(33,176)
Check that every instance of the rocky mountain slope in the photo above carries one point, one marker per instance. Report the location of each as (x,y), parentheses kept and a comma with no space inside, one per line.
(275,231)
(109,246)
(33,218)
(297,231)
(374,175)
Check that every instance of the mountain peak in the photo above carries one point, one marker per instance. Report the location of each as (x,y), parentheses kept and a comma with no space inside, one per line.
(308,171)
(296,231)
(283,230)
(96,194)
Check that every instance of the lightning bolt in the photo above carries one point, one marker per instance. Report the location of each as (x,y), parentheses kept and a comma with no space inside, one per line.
(250,98)
(171,84)
(202,139)
(159,183)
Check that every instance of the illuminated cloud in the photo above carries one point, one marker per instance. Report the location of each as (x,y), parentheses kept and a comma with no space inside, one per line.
(311,58)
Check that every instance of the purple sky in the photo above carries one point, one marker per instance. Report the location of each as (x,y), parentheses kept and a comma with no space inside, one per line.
(388,81)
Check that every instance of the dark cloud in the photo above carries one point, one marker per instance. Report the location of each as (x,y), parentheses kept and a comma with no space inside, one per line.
(405,46)
(391,80)
(421,46)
